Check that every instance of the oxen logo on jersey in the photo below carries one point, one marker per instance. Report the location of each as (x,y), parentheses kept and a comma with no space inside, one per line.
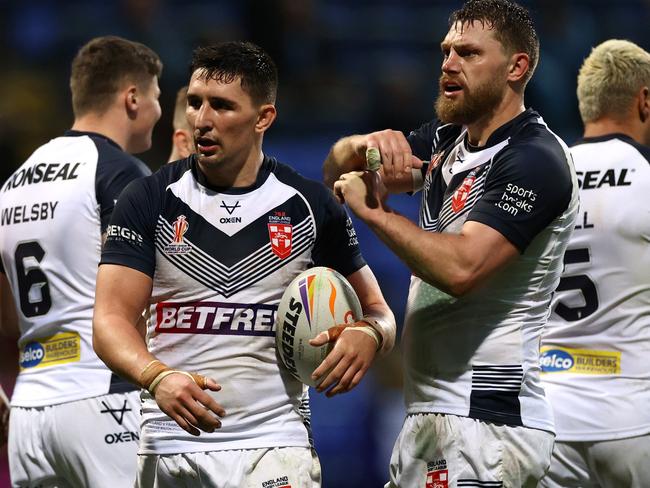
(116,413)
(230,208)
(280,235)
(177,246)
(462,192)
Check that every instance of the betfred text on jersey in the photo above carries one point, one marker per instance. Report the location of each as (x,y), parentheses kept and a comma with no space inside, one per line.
(216,318)
(43,172)
(22,214)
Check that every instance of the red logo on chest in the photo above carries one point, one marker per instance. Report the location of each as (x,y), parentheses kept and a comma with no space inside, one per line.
(280,235)
(461,194)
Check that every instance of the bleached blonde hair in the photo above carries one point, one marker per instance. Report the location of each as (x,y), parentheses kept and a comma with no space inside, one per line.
(610,78)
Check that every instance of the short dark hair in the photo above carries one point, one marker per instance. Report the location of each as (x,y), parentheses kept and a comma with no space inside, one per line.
(226,61)
(512,24)
(101,67)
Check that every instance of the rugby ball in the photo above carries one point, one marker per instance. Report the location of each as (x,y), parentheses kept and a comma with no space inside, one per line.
(317,299)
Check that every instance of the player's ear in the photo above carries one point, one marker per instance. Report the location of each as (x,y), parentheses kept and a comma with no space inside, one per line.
(183,142)
(643,104)
(265,117)
(518,67)
(130,95)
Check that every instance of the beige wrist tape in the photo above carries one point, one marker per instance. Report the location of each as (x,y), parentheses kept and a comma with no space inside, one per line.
(154,372)
(151,371)
(333,333)
(200,380)
(386,332)
(367,329)
(158,379)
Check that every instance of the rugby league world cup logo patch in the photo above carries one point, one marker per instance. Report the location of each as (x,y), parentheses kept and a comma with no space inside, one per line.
(179,228)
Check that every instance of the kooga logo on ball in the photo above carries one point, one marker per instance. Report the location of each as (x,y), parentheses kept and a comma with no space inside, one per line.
(32,355)
(554,360)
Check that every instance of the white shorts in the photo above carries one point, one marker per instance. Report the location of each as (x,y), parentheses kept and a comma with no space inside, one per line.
(279,467)
(602,464)
(87,443)
(448,451)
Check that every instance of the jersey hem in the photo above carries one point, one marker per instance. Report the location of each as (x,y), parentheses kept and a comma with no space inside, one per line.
(448,410)
(602,436)
(58,401)
(215,445)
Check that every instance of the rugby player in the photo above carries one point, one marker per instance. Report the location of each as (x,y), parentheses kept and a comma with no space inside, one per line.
(594,349)
(211,242)
(498,203)
(73,422)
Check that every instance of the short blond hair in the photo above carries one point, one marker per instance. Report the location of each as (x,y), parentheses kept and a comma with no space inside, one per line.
(180,119)
(610,78)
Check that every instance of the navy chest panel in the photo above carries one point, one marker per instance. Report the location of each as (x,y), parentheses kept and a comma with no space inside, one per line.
(230,263)
(447,198)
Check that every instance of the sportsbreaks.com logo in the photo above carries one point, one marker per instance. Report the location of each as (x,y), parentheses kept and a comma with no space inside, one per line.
(216,318)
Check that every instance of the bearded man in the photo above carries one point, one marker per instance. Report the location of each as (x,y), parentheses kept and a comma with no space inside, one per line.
(498,205)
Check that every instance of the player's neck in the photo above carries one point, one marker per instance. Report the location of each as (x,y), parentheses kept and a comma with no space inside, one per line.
(605,126)
(229,174)
(480,131)
(105,125)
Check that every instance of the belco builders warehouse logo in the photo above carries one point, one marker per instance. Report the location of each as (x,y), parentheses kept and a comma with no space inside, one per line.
(216,318)
(32,355)
(554,360)
(580,361)
(61,348)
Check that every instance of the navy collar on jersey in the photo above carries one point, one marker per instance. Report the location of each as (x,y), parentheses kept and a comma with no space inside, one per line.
(644,150)
(265,169)
(504,131)
(78,133)
(606,137)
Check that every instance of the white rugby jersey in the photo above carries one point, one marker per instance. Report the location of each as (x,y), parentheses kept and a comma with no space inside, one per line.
(53,211)
(478,355)
(595,350)
(220,260)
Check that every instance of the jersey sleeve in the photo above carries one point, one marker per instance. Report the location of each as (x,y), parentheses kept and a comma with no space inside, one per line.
(113,175)
(421,141)
(337,245)
(525,190)
(130,236)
